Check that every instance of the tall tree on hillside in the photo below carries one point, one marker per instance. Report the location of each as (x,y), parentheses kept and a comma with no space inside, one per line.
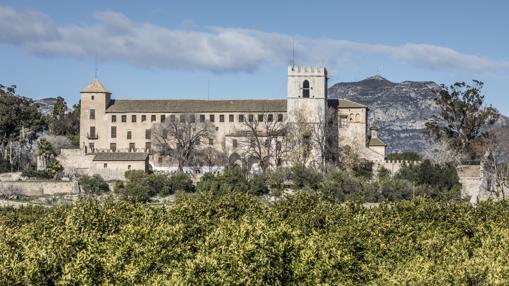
(182,138)
(20,120)
(64,123)
(464,120)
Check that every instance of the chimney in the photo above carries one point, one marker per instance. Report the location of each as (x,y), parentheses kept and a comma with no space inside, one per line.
(374,132)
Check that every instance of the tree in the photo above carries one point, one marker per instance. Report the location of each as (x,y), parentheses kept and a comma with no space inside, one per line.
(464,119)
(182,138)
(64,123)
(324,137)
(263,140)
(20,120)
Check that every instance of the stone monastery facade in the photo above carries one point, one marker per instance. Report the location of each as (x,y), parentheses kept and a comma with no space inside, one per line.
(118,135)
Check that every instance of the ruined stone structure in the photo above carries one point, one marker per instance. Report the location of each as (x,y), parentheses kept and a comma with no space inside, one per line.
(117,135)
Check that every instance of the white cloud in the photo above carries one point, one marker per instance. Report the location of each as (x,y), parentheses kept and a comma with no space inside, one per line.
(116,37)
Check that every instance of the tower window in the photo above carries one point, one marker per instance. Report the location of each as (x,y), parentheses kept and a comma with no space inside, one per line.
(133,118)
(129,135)
(212,118)
(231,118)
(113,118)
(221,118)
(92,113)
(113,132)
(305,89)
(124,118)
(143,118)
(152,118)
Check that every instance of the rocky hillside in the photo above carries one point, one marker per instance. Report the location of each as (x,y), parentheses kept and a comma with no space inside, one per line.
(400,110)
(46,105)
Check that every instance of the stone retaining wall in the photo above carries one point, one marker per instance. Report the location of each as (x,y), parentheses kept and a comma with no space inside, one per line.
(38,188)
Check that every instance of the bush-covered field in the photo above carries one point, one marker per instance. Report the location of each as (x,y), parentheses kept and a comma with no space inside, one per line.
(235,238)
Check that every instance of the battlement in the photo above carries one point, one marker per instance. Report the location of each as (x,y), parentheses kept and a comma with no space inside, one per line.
(306,71)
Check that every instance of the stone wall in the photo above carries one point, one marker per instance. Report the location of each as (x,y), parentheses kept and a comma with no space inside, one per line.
(38,188)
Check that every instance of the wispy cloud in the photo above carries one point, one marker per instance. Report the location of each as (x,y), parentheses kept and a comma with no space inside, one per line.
(113,36)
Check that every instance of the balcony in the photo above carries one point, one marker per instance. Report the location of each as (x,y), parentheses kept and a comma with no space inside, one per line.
(92,136)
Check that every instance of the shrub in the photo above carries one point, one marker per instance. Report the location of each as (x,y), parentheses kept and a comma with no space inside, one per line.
(182,182)
(302,176)
(363,168)
(30,173)
(405,156)
(442,177)
(258,185)
(93,185)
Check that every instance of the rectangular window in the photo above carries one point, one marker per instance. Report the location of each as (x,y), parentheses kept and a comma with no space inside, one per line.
(241,117)
(235,143)
(192,118)
(172,118)
(129,134)
(212,118)
(143,118)
(231,118)
(113,132)
(260,117)
(105,165)
(182,118)
(343,121)
(270,117)
(221,118)
(163,118)
(124,118)
(113,118)
(132,147)
(211,141)
(148,134)
(92,132)
(153,118)
(92,113)
(251,117)
(128,167)
(113,147)
(280,117)
(133,118)
(202,117)
(148,147)
(91,147)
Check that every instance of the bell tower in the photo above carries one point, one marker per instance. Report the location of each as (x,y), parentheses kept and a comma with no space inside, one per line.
(307,93)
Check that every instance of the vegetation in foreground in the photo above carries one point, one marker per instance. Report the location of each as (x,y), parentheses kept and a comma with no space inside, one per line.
(235,238)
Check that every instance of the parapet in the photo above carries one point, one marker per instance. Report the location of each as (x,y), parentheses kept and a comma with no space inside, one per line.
(306,71)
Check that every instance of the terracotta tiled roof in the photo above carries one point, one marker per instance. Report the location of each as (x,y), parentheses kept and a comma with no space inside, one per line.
(345,103)
(119,156)
(196,106)
(95,86)
(376,142)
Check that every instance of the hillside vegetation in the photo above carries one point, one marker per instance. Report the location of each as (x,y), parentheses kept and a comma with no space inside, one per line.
(235,238)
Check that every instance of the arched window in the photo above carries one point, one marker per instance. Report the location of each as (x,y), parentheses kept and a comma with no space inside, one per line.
(357,117)
(305,89)
(351,117)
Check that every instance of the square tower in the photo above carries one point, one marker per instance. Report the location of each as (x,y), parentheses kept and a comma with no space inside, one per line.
(307,93)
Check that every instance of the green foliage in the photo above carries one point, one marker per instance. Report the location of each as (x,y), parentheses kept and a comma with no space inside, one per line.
(31,173)
(303,176)
(63,123)
(93,185)
(54,167)
(140,187)
(232,180)
(405,156)
(258,185)
(363,168)
(464,120)
(236,239)
(442,177)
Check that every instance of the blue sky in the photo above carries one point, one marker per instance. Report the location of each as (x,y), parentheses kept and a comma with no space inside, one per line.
(176,49)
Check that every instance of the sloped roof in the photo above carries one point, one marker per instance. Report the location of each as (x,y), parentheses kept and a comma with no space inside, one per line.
(376,142)
(120,156)
(94,86)
(345,103)
(196,106)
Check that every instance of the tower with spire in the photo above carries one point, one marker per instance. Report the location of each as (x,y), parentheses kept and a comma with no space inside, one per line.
(94,101)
